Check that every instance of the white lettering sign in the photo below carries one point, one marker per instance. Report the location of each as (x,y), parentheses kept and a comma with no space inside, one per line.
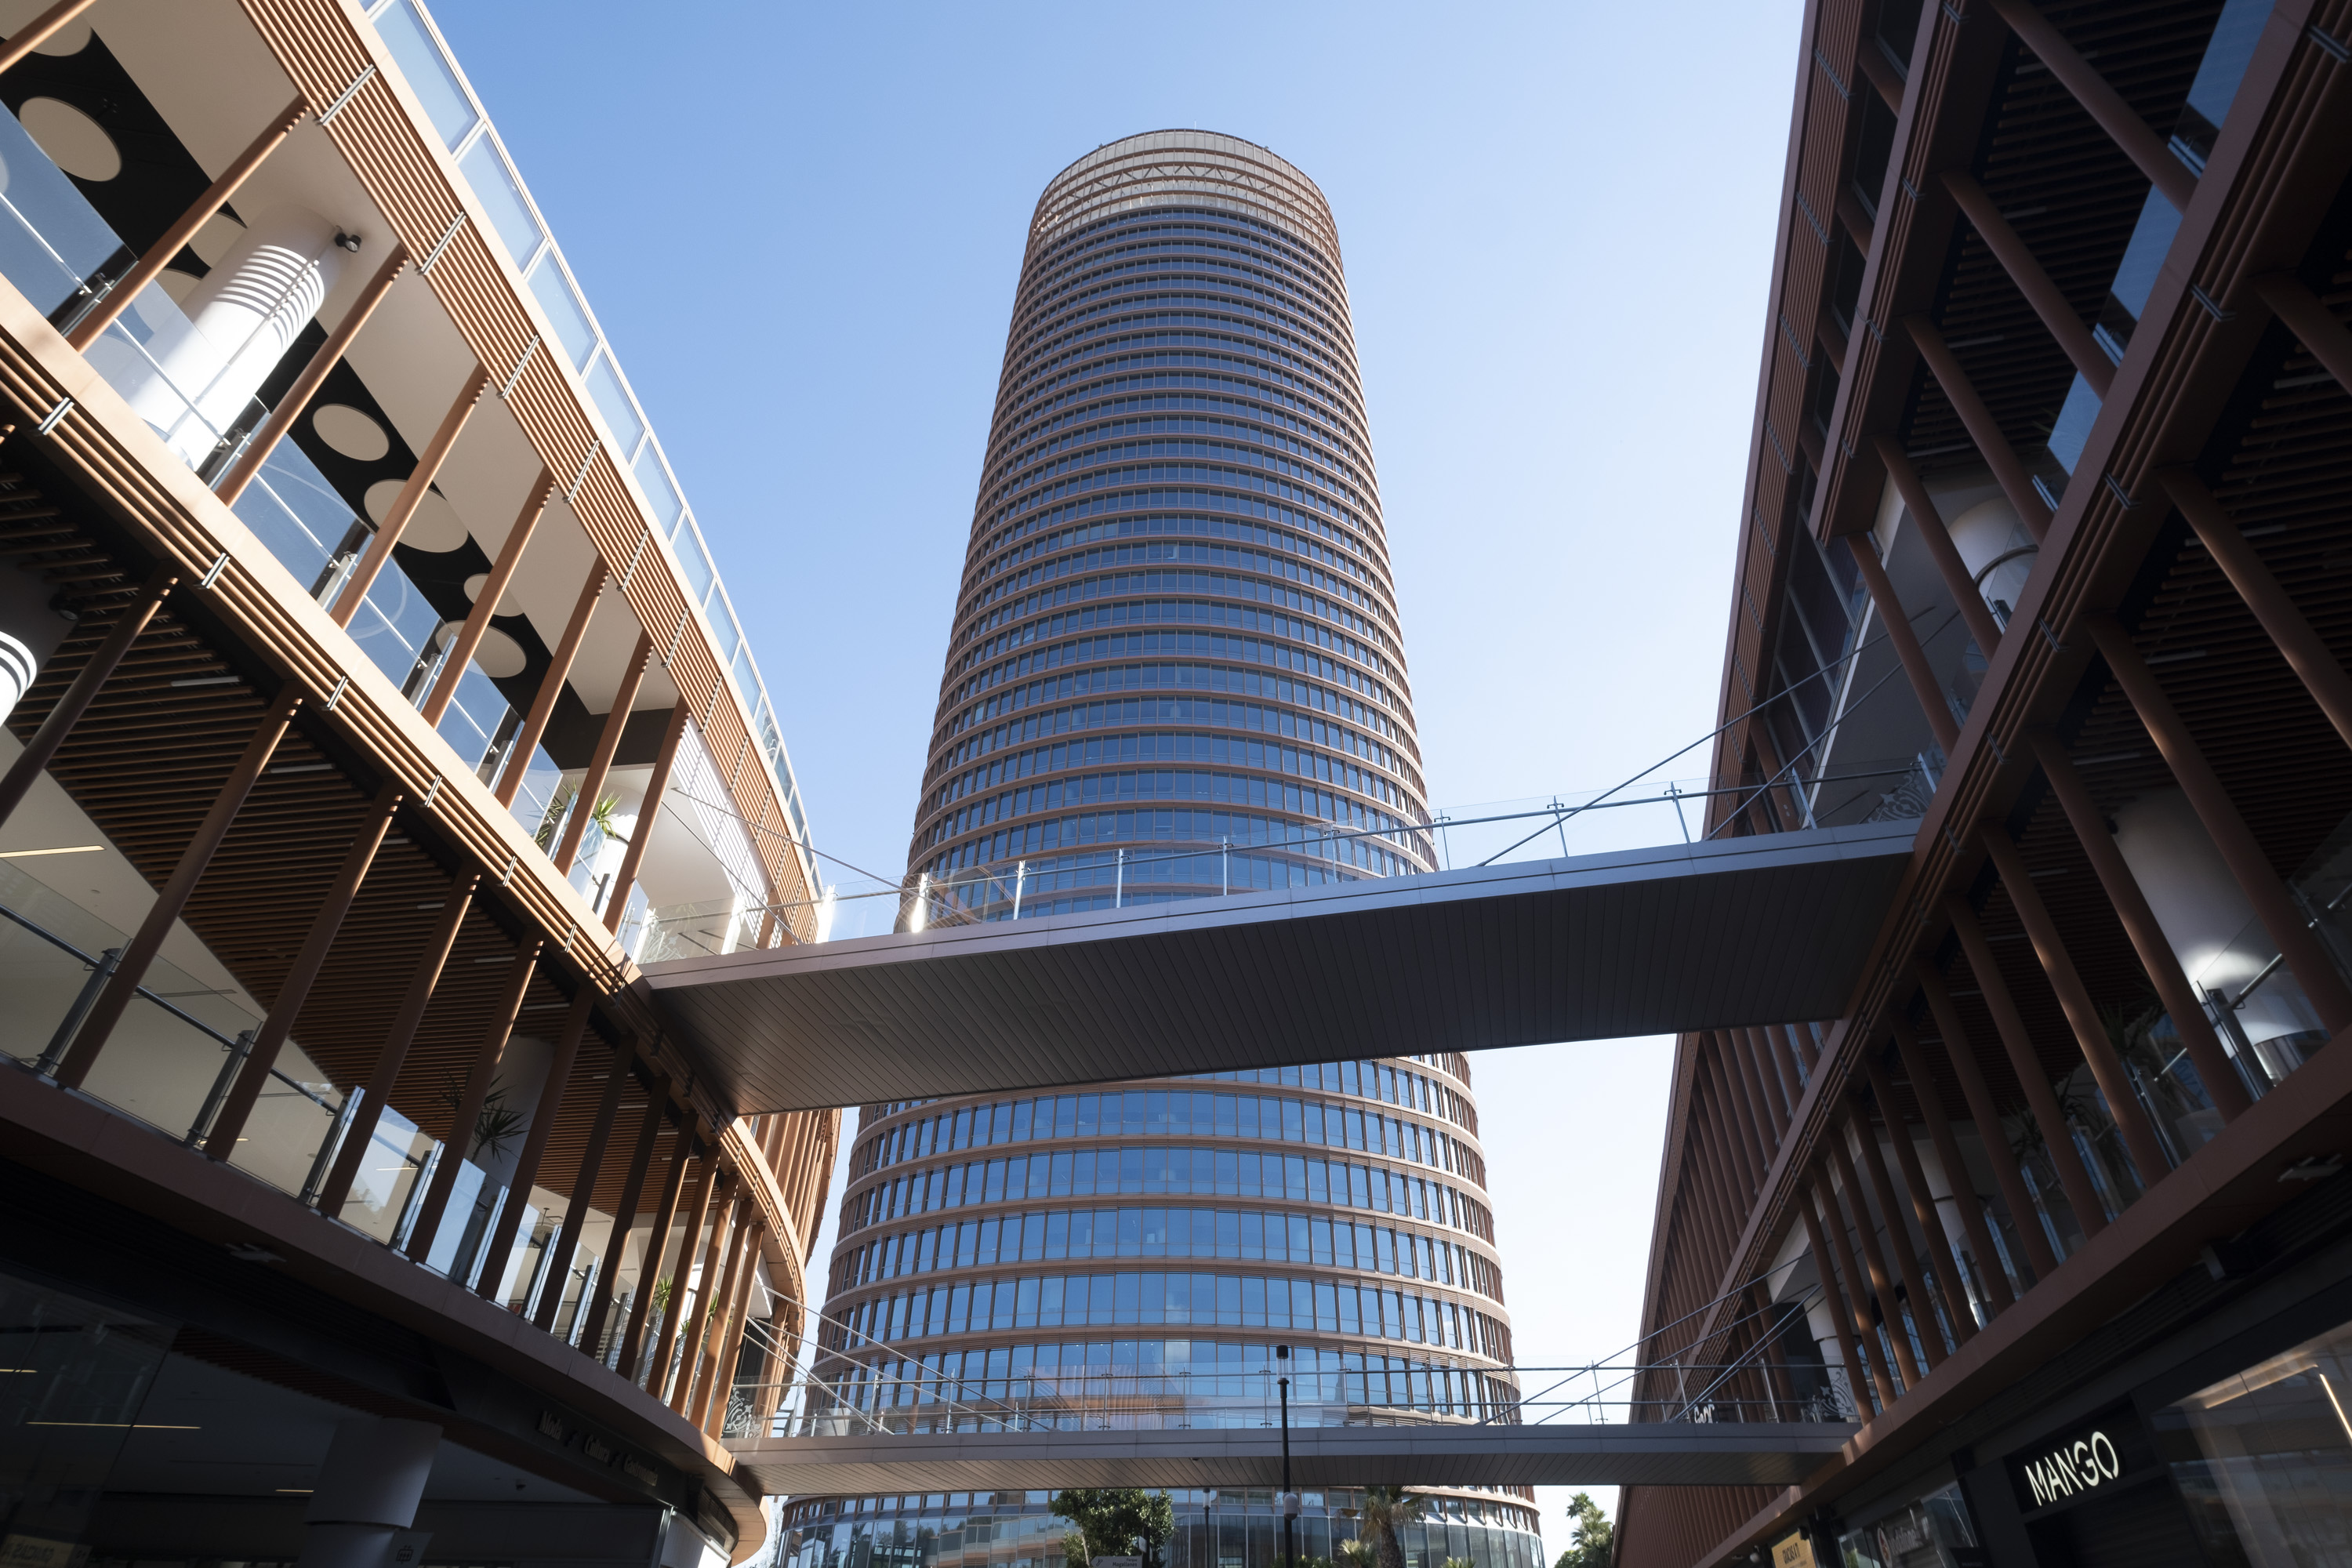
(2077,1467)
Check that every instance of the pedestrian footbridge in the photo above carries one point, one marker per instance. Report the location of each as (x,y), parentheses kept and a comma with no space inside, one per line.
(1769,929)
(1656,1453)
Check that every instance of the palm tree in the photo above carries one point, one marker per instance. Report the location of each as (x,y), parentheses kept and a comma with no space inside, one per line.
(1386,1508)
(1355,1554)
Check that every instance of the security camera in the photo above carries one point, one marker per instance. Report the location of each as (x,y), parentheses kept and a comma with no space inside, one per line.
(350,242)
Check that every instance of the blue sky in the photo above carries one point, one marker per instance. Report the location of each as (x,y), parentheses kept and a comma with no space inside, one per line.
(800,227)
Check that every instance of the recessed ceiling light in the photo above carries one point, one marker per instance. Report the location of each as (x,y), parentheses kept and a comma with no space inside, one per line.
(60,849)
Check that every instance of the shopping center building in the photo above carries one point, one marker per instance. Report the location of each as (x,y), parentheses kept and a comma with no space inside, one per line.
(2044,545)
(372,711)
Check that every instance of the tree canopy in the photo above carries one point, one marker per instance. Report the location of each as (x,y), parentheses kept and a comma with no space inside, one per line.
(1116,1521)
(1589,1543)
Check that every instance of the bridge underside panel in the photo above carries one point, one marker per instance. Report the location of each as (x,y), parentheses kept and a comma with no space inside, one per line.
(1659,1454)
(1772,929)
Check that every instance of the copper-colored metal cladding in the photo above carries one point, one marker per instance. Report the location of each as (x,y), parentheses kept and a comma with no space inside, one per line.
(1985,430)
(648,813)
(592,1162)
(2225,824)
(694,1205)
(551,685)
(295,989)
(710,1404)
(394,1054)
(150,267)
(1742,1136)
(486,603)
(633,1190)
(1865,1237)
(1922,1198)
(2115,117)
(2156,955)
(459,1139)
(2298,643)
(2308,318)
(1937,539)
(2047,366)
(2017,1038)
(2075,998)
(66,712)
(697,1377)
(1843,1298)
(313,376)
(412,496)
(131,969)
(40,30)
(1761,1085)
(600,762)
(534,1146)
(1900,632)
(1898,1239)
(717,1209)
(2017,259)
(1983,1111)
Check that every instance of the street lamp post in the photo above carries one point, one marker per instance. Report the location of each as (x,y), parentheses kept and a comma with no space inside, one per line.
(1289,1498)
(1209,1525)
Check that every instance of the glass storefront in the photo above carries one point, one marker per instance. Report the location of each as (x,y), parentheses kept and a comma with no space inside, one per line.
(2263,1458)
(1231,1530)
(1932,1531)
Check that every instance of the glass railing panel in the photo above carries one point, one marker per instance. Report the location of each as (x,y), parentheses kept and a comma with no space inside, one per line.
(299,1112)
(161,1058)
(168,373)
(578,1282)
(688,931)
(537,798)
(633,928)
(312,530)
(51,238)
(2259,1006)
(473,1206)
(394,625)
(478,723)
(389,1178)
(520,1278)
(45,983)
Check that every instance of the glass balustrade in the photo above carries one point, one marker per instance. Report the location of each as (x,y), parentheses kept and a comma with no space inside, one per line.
(298,516)
(689,931)
(54,246)
(538,796)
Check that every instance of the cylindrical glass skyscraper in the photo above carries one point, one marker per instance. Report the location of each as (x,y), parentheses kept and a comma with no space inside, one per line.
(1175,670)
(1175,667)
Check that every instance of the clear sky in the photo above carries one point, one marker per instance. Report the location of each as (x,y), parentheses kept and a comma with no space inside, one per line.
(802,225)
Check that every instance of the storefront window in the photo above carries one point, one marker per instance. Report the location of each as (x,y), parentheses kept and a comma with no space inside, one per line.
(2263,1458)
(1931,1533)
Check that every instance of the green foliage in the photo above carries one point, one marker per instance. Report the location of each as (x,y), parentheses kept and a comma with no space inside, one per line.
(1459,1562)
(1589,1542)
(1115,1521)
(601,814)
(495,1125)
(1385,1510)
(1356,1553)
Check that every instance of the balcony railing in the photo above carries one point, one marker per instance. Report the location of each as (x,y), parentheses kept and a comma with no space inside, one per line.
(169,1064)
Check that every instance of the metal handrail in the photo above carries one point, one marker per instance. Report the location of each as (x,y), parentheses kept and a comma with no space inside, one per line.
(224,1041)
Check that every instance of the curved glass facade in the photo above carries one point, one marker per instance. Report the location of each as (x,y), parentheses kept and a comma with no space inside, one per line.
(1236,1530)
(1175,670)
(1178,523)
